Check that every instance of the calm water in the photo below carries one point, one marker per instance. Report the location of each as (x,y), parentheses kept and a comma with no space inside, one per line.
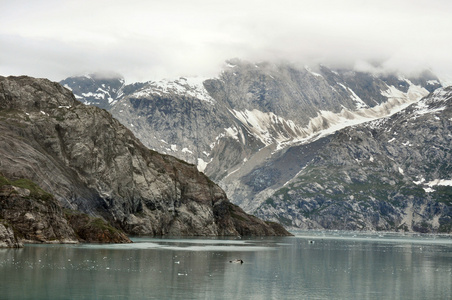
(311,265)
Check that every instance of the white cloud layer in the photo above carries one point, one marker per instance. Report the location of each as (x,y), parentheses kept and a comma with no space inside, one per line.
(153,39)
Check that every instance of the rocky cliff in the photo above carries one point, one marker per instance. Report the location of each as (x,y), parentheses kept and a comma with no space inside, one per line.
(229,124)
(257,126)
(93,164)
(28,214)
(390,174)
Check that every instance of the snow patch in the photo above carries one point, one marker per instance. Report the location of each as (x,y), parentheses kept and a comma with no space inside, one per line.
(185,86)
(359,102)
(273,129)
(185,150)
(428,187)
(328,122)
(420,181)
(442,182)
(428,190)
(268,127)
(201,165)
(232,132)
(313,73)
(422,108)
(413,94)
(94,95)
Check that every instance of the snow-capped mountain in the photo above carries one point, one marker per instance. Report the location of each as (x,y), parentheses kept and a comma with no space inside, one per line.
(245,129)
(95,89)
(393,173)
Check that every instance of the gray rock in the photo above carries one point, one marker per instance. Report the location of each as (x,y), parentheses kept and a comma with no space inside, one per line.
(391,174)
(7,237)
(91,163)
(243,133)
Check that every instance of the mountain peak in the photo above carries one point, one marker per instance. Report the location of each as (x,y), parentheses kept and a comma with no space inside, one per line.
(92,163)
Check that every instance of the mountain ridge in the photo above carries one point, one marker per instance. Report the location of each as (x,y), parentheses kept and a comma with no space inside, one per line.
(91,163)
(267,121)
(389,174)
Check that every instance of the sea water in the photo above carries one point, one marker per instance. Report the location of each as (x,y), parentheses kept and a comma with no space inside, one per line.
(310,265)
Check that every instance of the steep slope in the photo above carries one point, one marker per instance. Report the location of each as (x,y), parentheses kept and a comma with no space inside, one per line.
(91,163)
(96,89)
(248,107)
(28,214)
(240,128)
(389,174)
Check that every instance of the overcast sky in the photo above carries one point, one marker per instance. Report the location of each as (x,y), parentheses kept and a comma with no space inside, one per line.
(151,39)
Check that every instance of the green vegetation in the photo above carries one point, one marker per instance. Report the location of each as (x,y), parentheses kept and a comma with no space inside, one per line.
(443,194)
(4,181)
(232,209)
(238,217)
(100,224)
(35,191)
(445,225)
(339,183)
(270,202)
(83,223)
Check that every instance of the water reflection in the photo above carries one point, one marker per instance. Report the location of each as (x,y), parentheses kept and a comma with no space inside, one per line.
(339,267)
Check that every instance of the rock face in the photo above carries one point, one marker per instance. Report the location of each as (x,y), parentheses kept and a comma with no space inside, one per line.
(390,174)
(93,164)
(239,127)
(35,218)
(102,90)
(7,237)
(256,127)
(30,215)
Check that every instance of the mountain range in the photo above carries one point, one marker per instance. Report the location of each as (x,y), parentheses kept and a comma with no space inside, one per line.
(90,163)
(257,128)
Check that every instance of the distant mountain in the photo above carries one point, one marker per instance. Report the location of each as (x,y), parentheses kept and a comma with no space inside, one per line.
(91,163)
(96,89)
(389,174)
(256,126)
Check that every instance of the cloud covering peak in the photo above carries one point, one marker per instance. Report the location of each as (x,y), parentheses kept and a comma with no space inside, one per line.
(154,39)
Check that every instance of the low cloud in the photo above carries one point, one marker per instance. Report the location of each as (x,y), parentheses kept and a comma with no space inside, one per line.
(146,40)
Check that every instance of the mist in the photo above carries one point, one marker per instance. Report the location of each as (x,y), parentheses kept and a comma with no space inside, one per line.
(147,40)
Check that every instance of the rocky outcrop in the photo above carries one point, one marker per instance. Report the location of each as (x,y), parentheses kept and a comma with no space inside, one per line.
(257,126)
(7,236)
(94,229)
(31,215)
(34,218)
(93,164)
(392,174)
(102,90)
(235,127)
